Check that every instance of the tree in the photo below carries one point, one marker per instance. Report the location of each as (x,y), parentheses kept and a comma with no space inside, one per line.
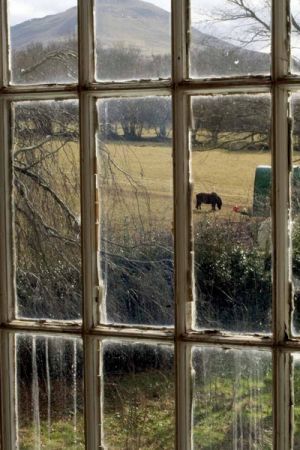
(250,24)
(56,62)
(47,209)
(242,121)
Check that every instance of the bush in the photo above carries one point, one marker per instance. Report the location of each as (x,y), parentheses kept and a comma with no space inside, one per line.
(233,277)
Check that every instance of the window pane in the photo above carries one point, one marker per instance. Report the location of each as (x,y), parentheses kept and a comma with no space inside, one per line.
(295,37)
(136,209)
(46,197)
(232,399)
(296,361)
(43,41)
(49,392)
(230,38)
(139,403)
(295,191)
(231,170)
(133,39)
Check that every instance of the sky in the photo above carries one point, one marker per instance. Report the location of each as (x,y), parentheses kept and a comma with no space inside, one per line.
(21,10)
(202,14)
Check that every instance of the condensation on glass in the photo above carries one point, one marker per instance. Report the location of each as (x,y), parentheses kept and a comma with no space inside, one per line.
(139,396)
(230,38)
(46,205)
(295,36)
(49,392)
(134,182)
(133,40)
(295,210)
(43,42)
(231,171)
(232,399)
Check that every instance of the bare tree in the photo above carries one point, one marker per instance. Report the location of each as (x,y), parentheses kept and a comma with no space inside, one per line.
(47,209)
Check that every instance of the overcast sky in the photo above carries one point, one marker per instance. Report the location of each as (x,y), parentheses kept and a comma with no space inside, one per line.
(202,12)
(21,10)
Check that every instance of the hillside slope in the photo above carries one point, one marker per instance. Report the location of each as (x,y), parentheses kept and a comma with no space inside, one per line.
(128,22)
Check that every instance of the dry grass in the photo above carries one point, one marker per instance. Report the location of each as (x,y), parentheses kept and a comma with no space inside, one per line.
(230,174)
(141,177)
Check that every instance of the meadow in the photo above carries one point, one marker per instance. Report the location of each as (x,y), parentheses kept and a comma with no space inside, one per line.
(229,173)
(135,182)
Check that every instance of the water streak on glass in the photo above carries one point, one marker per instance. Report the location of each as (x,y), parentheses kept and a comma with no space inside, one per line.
(232,399)
(139,396)
(43,42)
(133,39)
(295,211)
(134,152)
(230,38)
(295,36)
(46,202)
(49,379)
(231,171)
(296,409)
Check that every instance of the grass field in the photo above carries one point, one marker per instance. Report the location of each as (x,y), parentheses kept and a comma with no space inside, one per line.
(142,171)
(230,174)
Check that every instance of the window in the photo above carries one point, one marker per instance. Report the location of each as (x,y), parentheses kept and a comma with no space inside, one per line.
(150,224)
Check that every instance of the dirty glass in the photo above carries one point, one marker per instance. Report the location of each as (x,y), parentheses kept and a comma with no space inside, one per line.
(295,36)
(296,383)
(139,396)
(231,171)
(49,392)
(43,41)
(46,204)
(230,38)
(232,399)
(134,182)
(295,211)
(133,39)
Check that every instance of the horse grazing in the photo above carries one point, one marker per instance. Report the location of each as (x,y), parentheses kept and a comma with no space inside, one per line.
(209,199)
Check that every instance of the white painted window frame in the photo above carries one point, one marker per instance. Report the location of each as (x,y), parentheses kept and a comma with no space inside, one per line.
(280,83)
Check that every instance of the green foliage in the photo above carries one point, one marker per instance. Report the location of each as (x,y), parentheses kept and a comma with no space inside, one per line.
(296,270)
(232,399)
(61,435)
(141,408)
(233,276)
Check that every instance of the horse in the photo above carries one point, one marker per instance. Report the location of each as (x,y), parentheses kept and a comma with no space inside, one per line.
(209,199)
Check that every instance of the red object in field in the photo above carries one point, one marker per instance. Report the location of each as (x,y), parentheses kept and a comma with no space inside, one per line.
(236,208)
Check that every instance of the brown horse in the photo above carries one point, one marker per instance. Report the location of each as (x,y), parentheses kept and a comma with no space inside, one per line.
(209,199)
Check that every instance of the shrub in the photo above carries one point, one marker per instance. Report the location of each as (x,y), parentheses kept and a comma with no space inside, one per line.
(233,277)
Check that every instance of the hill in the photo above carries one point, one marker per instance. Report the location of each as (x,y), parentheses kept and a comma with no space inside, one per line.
(130,22)
(138,24)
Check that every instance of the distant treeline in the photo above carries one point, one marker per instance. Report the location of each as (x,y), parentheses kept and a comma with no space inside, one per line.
(247,114)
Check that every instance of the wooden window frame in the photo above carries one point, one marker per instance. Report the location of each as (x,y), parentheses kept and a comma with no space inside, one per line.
(280,83)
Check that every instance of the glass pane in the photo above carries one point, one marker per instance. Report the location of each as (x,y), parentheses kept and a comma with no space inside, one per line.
(136,209)
(43,41)
(231,170)
(295,36)
(46,196)
(296,428)
(230,38)
(139,397)
(295,191)
(232,399)
(133,39)
(49,380)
